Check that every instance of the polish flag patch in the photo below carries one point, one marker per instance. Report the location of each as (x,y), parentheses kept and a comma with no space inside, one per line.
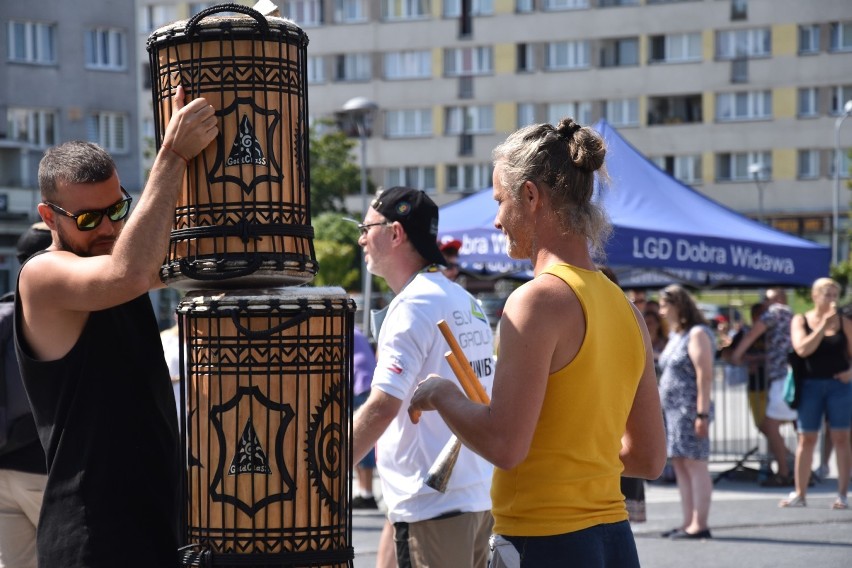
(396,369)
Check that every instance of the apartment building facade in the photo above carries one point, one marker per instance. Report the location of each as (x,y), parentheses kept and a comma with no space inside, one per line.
(736,98)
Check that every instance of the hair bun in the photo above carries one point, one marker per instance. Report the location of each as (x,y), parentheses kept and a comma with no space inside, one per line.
(567,128)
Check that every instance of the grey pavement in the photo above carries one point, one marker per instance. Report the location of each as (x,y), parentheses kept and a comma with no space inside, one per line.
(749,530)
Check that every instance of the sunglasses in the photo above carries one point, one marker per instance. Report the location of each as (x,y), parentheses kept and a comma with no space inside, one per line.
(88,220)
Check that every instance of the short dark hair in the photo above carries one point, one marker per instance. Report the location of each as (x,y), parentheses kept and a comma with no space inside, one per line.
(76,161)
(36,238)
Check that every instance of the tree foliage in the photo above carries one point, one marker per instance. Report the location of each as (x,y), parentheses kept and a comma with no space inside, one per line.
(338,254)
(334,173)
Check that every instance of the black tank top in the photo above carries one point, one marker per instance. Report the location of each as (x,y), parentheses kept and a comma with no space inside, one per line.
(830,356)
(106,418)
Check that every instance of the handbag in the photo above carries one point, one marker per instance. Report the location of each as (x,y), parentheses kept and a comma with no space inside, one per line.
(793,382)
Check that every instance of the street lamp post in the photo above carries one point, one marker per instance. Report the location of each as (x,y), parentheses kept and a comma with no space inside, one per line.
(835,210)
(756,170)
(357,116)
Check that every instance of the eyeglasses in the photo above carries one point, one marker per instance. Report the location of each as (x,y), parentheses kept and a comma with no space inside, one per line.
(452,266)
(364,228)
(88,220)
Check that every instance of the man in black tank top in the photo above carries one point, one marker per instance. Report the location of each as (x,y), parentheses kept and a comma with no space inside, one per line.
(89,350)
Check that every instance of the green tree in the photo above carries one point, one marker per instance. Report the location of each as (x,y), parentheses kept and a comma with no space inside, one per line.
(334,173)
(338,254)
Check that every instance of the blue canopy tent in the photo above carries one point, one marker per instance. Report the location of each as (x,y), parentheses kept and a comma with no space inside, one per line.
(663,232)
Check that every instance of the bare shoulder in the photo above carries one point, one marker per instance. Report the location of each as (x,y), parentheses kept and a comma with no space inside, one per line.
(545,298)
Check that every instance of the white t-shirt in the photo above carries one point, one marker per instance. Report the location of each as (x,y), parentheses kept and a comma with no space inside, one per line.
(410,346)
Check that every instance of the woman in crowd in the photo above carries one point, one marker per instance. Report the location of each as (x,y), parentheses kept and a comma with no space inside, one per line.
(823,338)
(686,364)
(658,330)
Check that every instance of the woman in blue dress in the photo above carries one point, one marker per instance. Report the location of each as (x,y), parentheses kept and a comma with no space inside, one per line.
(686,378)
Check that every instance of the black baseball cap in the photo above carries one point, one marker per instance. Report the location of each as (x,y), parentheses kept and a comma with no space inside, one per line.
(417,214)
(36,238)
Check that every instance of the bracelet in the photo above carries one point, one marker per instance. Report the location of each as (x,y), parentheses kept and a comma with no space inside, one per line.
(702,416)
(176,153)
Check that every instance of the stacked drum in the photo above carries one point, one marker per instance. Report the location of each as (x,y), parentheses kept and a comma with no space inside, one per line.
(265,363)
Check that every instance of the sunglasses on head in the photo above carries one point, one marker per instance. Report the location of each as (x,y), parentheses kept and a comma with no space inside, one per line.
(88,220)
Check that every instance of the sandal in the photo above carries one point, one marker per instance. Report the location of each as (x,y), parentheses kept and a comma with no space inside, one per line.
(793,500)
(840,503)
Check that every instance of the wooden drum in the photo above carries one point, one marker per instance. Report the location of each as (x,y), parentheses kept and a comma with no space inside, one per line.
(267,427)
(243,217)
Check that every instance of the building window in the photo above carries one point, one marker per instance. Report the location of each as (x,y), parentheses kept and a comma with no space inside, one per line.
(469,120)
(196,7)
(675,48)
(622,112)
(105,49)
(306,13)
(316,69)
(808,164)
(408,65)
(462,177)
(808,102)
(354,67)
(739,10)
(809,39)
(526,114)
(755,42)
(452,8)
(735,166)
(608,3)
(839,95)
(526,57)
(844,163)
(749,105)
(675,110)
(108,129)
(620,52)
(31,42)
(350,11)
(841,36)
(580,112)
(686,169)
(563,55)
(465,61)
(405,9)
(421,177)
(408,123)
(557,5)
(31,126)
(156,16)
(524,6)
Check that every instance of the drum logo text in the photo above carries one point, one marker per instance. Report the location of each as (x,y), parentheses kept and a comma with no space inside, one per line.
(246,149)
(250,457)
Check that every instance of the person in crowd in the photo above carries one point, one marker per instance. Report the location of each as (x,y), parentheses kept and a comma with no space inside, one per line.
(90,354)
(823,338)
(450,248)
(774,323)
(364,365)
(658,330)
(22,462)
(652,306)
(685,384)
(431,529)
(566,418)
(754,360)
(639,297)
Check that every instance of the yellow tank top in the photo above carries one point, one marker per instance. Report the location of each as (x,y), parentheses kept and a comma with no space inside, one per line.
(571,478)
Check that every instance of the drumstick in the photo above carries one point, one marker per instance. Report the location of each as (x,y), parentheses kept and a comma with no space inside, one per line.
(467,370)
(467,385)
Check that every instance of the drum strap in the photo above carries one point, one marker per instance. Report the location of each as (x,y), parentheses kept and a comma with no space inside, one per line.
(244,230)
(208,558)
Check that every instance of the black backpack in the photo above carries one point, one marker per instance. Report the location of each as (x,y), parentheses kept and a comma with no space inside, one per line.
(17,426)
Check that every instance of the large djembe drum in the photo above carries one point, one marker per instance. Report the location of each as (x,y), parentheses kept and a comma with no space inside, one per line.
(267,427)
(243,217)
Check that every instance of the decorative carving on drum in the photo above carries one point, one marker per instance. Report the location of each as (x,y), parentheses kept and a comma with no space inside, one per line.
(242,219)
(267,427)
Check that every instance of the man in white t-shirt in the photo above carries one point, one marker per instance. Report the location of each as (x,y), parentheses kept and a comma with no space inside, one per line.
(431,529)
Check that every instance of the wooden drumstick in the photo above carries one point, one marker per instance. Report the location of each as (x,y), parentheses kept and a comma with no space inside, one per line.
(467,385)
(467,370)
